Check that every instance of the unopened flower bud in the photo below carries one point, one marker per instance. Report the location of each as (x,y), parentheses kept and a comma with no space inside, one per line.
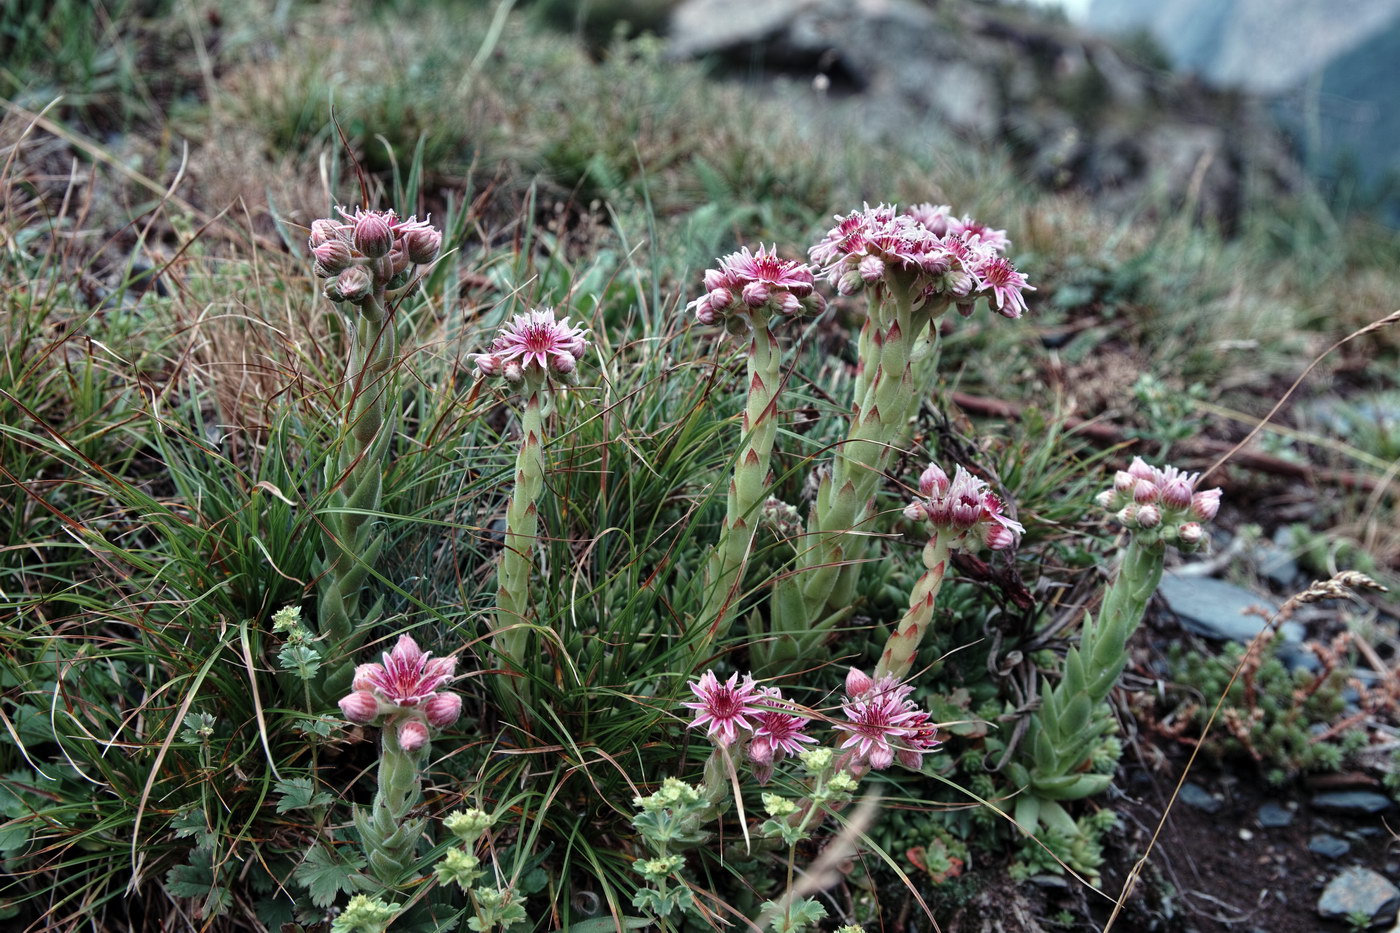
(1189,536)
(757,293)
(322,231)
(1128,515)
(872,269)
(1149,516)
(997,537)
(1106,499)
(1205,504)
(849,283)
(487,365)
(360,706)
(714,279)
(373,237)
(858,683)
(421,245)
(562,363)
(413,735)
(707,315)
(331,257)
(1124,482)
(442,709)
(512,372)
(1144,492)
(814,303)
(354,284)
(721,298)
(916,511)
(1176,493)
(1139,469)
(788,303)
(761,751)
(933,481)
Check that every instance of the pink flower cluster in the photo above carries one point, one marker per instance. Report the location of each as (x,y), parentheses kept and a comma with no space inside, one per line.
(1162,501)
(405,689)
(748,282)
(733,710)
(948,257)
(883,724)
(363,252)
(534,344)
(963,510)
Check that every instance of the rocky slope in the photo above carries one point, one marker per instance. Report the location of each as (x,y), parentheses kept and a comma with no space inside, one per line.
(1076,111)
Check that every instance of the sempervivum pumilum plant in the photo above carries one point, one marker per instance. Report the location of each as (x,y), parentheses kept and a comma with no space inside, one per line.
(534,352)
(960,514)
(747,294)
(1157,507)
(913,266)
(404,695)
(366,257)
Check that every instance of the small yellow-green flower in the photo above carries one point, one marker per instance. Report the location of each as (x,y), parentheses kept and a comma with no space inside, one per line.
(458,867)
(365,915)
(467,825)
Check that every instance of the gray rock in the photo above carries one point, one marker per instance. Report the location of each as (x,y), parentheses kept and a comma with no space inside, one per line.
(1351,802)
(1272,816)
(1297,657)
(1360,891)
(1217,609)
(1328,846)
(699,27)
(1197,796)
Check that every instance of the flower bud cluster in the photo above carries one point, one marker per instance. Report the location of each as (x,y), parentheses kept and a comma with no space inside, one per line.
(368,251)
(949,259)
(535,346)
(962,511)
(1163,503)
(748,283)
(404,692)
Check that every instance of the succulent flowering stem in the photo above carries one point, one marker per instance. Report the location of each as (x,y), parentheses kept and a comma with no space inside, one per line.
(388,835)
(898,657)
(356,479)
(748,488)
(808,603)
(1158,507)
(511,638)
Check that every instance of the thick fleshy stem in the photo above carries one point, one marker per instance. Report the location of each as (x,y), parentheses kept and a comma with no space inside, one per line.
(390,838)
(898,657)
(808,603)
(1073,716)
(356,478)
(748,488)
(513,607)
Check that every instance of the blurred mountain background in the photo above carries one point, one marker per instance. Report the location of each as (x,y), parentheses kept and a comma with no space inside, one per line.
(1148,105)
(1330,71)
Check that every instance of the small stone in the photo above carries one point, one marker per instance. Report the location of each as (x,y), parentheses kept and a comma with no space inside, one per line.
(1272,815)
(1351,802)
(1328,846)
(1246,835)
(1197,796)
(1360,891)
(1221,610)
